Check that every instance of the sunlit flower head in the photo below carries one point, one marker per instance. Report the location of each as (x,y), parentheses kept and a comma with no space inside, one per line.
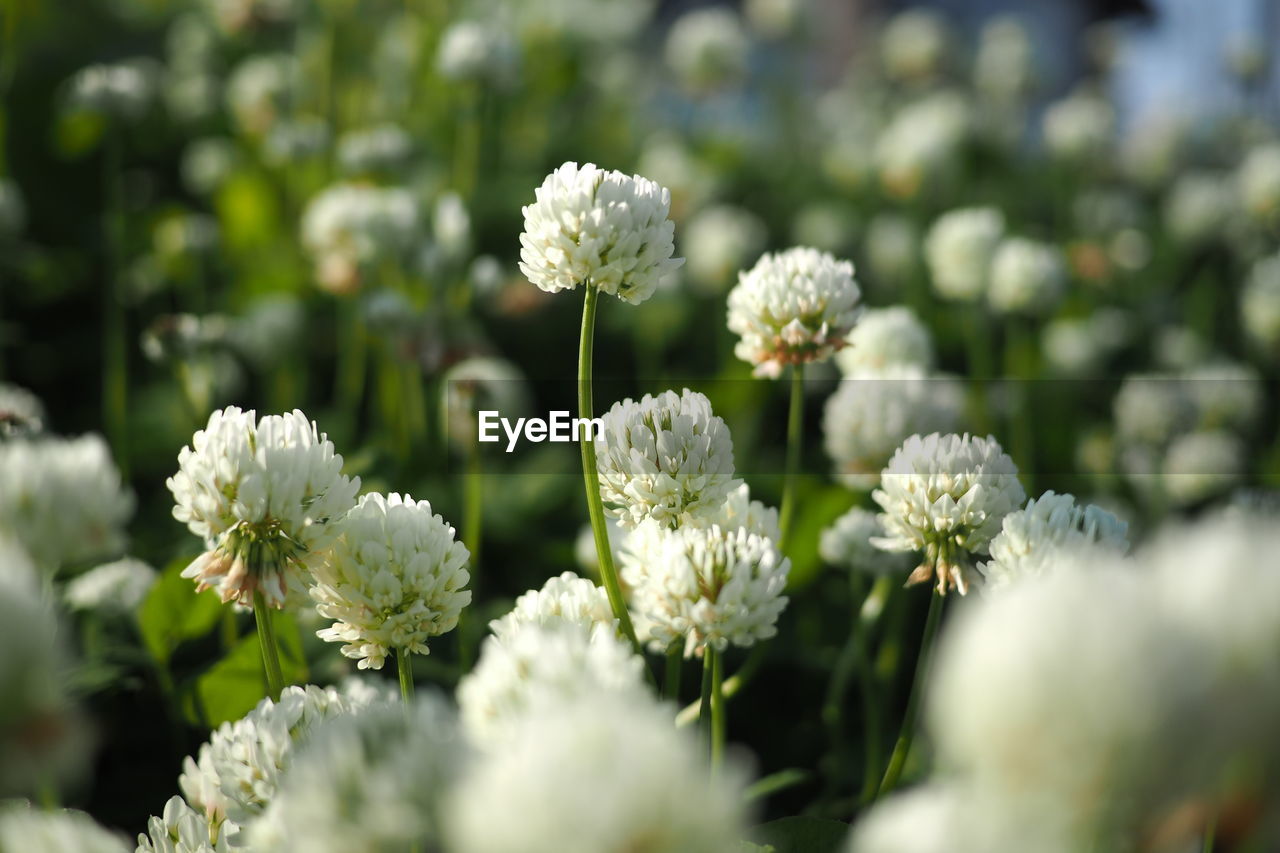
(181,829)
(960,248)
(565,598)
(1051,530)
(915,45)
(1258,182)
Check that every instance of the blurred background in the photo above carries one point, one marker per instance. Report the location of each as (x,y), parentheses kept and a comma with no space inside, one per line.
(317,204)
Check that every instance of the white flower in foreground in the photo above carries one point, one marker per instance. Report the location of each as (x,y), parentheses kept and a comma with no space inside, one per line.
(707,48)
(117,587)
(30,830)
(703,586)
(602,229)
(945,496)
(872,412)
(237,772)
(1260,305)
(1026,277)
(603,774)
(667,458)
(263,494)
(719,241)
(1079,127)
(371,782)
(564,599)
(1202,465)
(537,666)
(394,578)
(21,412)
(181,829)
(350,228)
(793,307)
(959,250)
(886,337)
(62,499)
(1258,180)
(847,543)
(1048,531)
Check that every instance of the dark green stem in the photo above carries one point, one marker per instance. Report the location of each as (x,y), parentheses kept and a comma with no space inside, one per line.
(718,721)
(270,651)
(671,686)
(902,748)
(795,437)
(404,666)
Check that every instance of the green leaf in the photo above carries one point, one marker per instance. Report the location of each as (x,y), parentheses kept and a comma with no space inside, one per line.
(173,612)
(801,835)
(230,688)
(815,509)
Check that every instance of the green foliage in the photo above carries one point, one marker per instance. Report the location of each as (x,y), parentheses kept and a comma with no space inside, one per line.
(173,612)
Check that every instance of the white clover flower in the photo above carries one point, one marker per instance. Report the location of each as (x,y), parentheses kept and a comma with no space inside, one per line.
(31,830)
(564,599)
(181,829)
(793,307)
(293,139)
(21,412)
(1198,207)
(1260,305)
(371,782)
(350,228)
(1049,531)
(1080,127)
(258,90)
(207,163)
(914,45)
(584,547)
(960,248)
(62,499)
(601,774)
(13,210)
(1004,68)
(451,225)
(719,241)
(667,458)
(381,148)
(262,494)
(1258,181)
(740,511)
(946,496)
(1202,465)
(117,587)
(237,772)
(536,666)
(892,247)
(703,586)
(873,411)
(235,16)
(707,48)
(123,91)
(1026,277)
(1080,346)
(923,820)
(478,51)
(886,337)
(1225,395)
(1150,409)
(600,229)
(481,384)
(394,578)
(847,543)
(921,145)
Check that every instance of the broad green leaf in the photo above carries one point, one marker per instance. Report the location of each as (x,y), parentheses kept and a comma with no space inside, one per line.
(232,686)
(801,835)
(173,612)
(815,509)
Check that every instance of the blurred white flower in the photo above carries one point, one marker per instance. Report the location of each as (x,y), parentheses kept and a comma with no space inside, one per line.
(117,587)
(873,411)
(21,412)
(920,147)
(30,830)
(927,819)
(1260,305)
(478,51)
(946,496)
(1027,277)
(1202,465)
(1049,531)
(892,247)
(886,337)
(350,228)
(262,494)
(181,829)
(719,241)
(959,250)
(481,384)
(383,148)
(122,91)
(667,458)
(707,48)
(1150,409)
(1080,346)
(1080,127)
(1005,67)
(563,599)
(703,586)
(915,46)
(584,547)
(207,163)
(259,90)
(602,773)
(540,666)
(394,578)
(793,307)
(739,510)
(63,499)
(847,543)
(1258,181)
(1199,206)
(1225,395)
(602,229)
(296,139)
(373,782)
(236,16)
(776,18)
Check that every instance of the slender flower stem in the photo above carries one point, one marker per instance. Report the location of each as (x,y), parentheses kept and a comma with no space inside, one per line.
(704,702)
(270,651)
(718,722)
(671,687)
(1210,834)
(590,476)
(404,666)
(903,747)
(795,436)
(115,368)
(472,521)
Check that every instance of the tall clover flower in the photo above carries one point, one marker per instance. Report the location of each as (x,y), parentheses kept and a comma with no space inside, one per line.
(262,494)
(394,578)
(792,308)
(608,233)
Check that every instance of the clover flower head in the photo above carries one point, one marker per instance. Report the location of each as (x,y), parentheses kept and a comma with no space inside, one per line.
(181,829)
(350,228)
(21,412)
(601,229)
(921,146)
(793,307)
(886,337)
(258,90)
(708,48)
(720,240)
(121,91)
(1260,305)
(667,457)
(32,830)
(1027,277)
(946,496)
(959,250)
(1198,206)
(914,45)
(117,587)
(1004,68)
(262,493)
(1258,180)
(383,148)
(1049,531)
(847,543)
(1203,464)
(478,51)
(394,578)
(1079,127)
(563,599)
(739,510)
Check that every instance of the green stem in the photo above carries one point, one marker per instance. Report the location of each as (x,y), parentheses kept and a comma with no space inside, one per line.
(590,476)
(270,651)
(472,521)
(902,748)
(855,656)
(704,701)
(718,721)
(795,436)
(1210,834)
(115,380)
(404,666)
(671,687)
